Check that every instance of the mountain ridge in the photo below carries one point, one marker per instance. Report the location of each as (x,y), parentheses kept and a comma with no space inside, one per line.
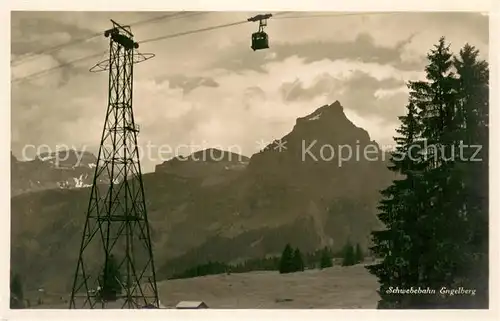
(196,213)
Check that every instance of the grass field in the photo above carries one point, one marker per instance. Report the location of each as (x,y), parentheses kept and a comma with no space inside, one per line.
(333,288)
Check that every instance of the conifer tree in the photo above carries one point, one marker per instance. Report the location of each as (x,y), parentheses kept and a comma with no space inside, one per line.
(397,203)
(298,262)
(446,202)
(358,254)
(473,108)
(429,221)
(17,292)
(111,280)
(412,207)
(326,258)
(349,257)
(286,261)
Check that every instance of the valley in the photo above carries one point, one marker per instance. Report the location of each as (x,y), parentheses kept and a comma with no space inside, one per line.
(229,208)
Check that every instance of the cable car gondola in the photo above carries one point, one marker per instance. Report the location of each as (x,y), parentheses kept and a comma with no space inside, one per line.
(260,39)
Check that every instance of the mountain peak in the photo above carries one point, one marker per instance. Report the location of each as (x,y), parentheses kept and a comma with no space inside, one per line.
(325,129)
(334,110)
(328,122)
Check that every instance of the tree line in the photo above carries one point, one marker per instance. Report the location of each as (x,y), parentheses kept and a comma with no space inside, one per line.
(436,212)
(291,260)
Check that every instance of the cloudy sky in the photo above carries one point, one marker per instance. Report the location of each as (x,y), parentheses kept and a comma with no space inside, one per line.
(209,89)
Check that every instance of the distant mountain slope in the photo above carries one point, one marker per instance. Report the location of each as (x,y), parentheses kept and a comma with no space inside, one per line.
(224,209)
(288,194)
(212,165)
(63,169)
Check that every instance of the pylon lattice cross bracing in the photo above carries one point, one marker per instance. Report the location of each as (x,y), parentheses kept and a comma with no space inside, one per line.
(115,266)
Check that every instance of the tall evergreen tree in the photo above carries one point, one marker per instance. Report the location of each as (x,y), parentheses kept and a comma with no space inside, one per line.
(410,230)
(446,206)
(400,209)
(424,210)
(473,108)
(396,208)
(349,257)
(286,261)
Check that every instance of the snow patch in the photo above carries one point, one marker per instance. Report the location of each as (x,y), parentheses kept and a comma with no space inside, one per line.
(46,158)
(63,184)
(314,117)
(79,181)
(92,165)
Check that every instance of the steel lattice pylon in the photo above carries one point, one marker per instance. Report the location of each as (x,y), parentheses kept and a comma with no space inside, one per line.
(115,266)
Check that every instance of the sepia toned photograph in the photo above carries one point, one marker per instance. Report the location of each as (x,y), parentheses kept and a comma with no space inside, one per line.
(249,160)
